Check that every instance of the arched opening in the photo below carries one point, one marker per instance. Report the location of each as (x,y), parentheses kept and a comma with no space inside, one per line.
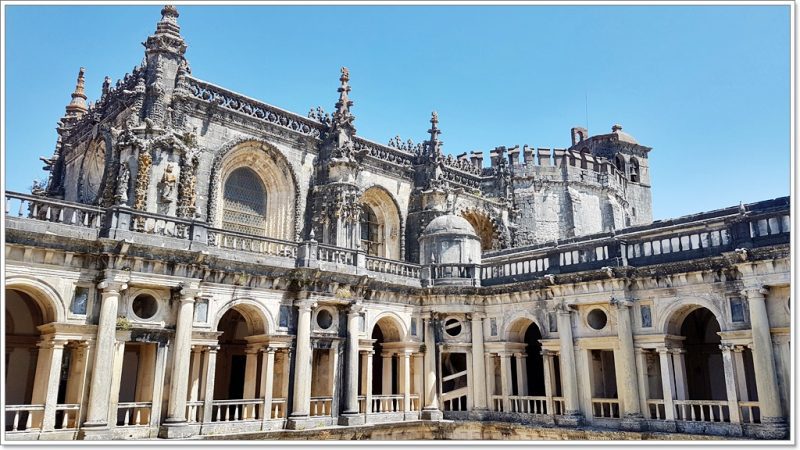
(254,191)
(242,364)
(380,224)
(634,170)
(619,163)
(527,367)
(371,238)
(244,208)
(23,316)
(704,369)
(584,158)
(484,228)
(385,364)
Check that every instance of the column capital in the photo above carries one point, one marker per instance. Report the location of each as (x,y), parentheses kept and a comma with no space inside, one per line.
(756,292)
(726,347)
(268,349)
(212,348)
(111,287)
(356,308)
(564,309)
(305,304)
(664,350)
(738,348)
(475,316)
(620,303)
(641,350)
(52,343)
(677,351)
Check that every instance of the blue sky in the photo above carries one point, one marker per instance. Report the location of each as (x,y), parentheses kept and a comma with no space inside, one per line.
(708,87)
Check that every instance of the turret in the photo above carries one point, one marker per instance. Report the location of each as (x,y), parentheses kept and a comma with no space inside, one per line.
(77,106)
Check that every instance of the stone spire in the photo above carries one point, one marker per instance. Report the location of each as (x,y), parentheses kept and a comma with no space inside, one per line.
(167,38)
(434,144)
(342,117)
(77,106)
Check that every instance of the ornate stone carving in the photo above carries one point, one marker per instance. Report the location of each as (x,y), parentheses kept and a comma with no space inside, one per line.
(167,184)
(123,180)
(142,179)
(188,180)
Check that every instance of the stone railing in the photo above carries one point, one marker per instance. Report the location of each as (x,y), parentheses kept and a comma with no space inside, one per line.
(67,416)
(156,224)
(20,417)
(750,412)
(703,235)
(131,414)
(230,100)
(605,408)
(249,243)
(528,404)
(656,409)
(320,406)
(56,211)
(194,411)
(278,409)
(702,410)
(393,267)
(236,410)
(387,403)
(337,255)
(559,406)
(384,152)
(455,400)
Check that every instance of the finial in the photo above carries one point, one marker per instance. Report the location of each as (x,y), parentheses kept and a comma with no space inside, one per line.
(77,106)
(167,37)
(342,117)
(434,144)
(106,85)
(616,127)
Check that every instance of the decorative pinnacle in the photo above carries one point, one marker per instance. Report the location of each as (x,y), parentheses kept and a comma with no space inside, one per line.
(167,37)
(77,106)
(342,117)
(616,127)
(435,144)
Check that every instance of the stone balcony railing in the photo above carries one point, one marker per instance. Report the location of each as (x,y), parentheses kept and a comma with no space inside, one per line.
(732,231)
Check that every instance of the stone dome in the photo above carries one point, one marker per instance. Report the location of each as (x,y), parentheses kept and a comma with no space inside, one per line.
(623,136)
(449,224)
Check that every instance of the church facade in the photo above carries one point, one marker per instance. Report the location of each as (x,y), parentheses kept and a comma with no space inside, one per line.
(202,264)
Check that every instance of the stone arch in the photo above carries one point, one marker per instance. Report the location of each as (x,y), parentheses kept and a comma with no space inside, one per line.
(516,327)
(391,325)
(257,317)
(387,211)
(280,182)
(46,297)
(671,319)
(635,176)
(487,228)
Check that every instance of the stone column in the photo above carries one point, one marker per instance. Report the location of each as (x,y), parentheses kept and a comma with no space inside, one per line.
(549,380)
(738,370)
(405,360)
(479,396)
(267,380)
(158,383)
(194,377)
(368,383)
(730,382)
(641,369)
(100,388)
(45,385)
(522,374)
(769,399)
(302,367)
(679,367)
(628,383)
(175,424)
(210,370)
(350,415)
(431,410)
(116,379)
(489,366)
(569,379)
(667,382)
(386,374)
(250,380)
(505,380)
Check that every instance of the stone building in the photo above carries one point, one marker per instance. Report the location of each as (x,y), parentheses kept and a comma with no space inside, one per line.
(200,263)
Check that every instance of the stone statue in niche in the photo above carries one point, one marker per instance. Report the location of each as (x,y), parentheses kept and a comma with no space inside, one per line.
(167,184)
(121,196)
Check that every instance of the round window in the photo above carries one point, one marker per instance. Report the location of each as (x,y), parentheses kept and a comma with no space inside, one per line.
(597,319)
(452,327)
(145,306)
(324,319)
